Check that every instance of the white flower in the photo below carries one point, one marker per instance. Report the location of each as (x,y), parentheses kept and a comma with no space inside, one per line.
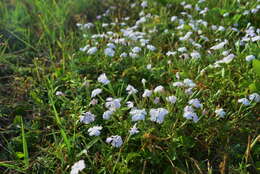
(159,89)
(188,6)
(172,99)
(149,66)
(134,130)
(189,91)
(124,54)
(220,112)
(214,27)
(88,25)
(157,115)
(254,97)
(133,55)
(84,48)
(226,60)
(59,93)
(147,93)
(141,20)
(77,167)
(177,84)
(244,101)
(103,79)
(136,49)
(131,90)
(188,109)
(226,52)
(182,49)
(144,41)
(195,55)
(94,131)
(171,53)
(143,81)
(221,28)
(109,52)
(156,100)
(138,114)
(87,118)
(107,114)
(173,18)
(189,83)
(95,92)
(196,103)
(115,141)
(225,14)
(256,38)
(219,46)
(177,75)
(144,4)
(92,50)
(105,25)
(113,104)
(186,37)
(111,45)
(151,47)
(250,57)
(130,104)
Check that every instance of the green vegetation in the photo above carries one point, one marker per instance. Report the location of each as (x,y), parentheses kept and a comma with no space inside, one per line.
(198,62)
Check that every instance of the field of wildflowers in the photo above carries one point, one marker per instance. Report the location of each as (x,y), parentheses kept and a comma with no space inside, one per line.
(130,86)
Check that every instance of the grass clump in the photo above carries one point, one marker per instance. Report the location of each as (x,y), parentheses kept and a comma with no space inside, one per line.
(129,87)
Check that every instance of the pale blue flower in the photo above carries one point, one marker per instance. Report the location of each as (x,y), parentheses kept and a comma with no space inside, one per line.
(250,58)
(157,115)
(134,130)
(244,101)
(77,167)
(171,99)
(92,50)
(115,141)
(94,131)
(196,103)
(103,79)
(107,114)
(109,52)
(158,89)
(87,118)
(220,112)
(191,116)
(138,114)
(147,93)
(131,90)
(95,92)
(113,104)
(254,97)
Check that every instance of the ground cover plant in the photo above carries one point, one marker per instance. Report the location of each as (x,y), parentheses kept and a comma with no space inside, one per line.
(155,86)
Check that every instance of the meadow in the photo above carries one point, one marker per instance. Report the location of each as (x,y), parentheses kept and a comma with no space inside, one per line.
(129,86)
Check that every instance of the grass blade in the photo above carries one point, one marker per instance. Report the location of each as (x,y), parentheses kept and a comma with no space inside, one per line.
(25,147)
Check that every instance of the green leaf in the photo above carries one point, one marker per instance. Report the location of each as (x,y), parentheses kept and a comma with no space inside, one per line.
(257,164)
(20,155)
(25,148)
(91,143)
(131,156)
(12,166)
(252,87)
(256,66)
